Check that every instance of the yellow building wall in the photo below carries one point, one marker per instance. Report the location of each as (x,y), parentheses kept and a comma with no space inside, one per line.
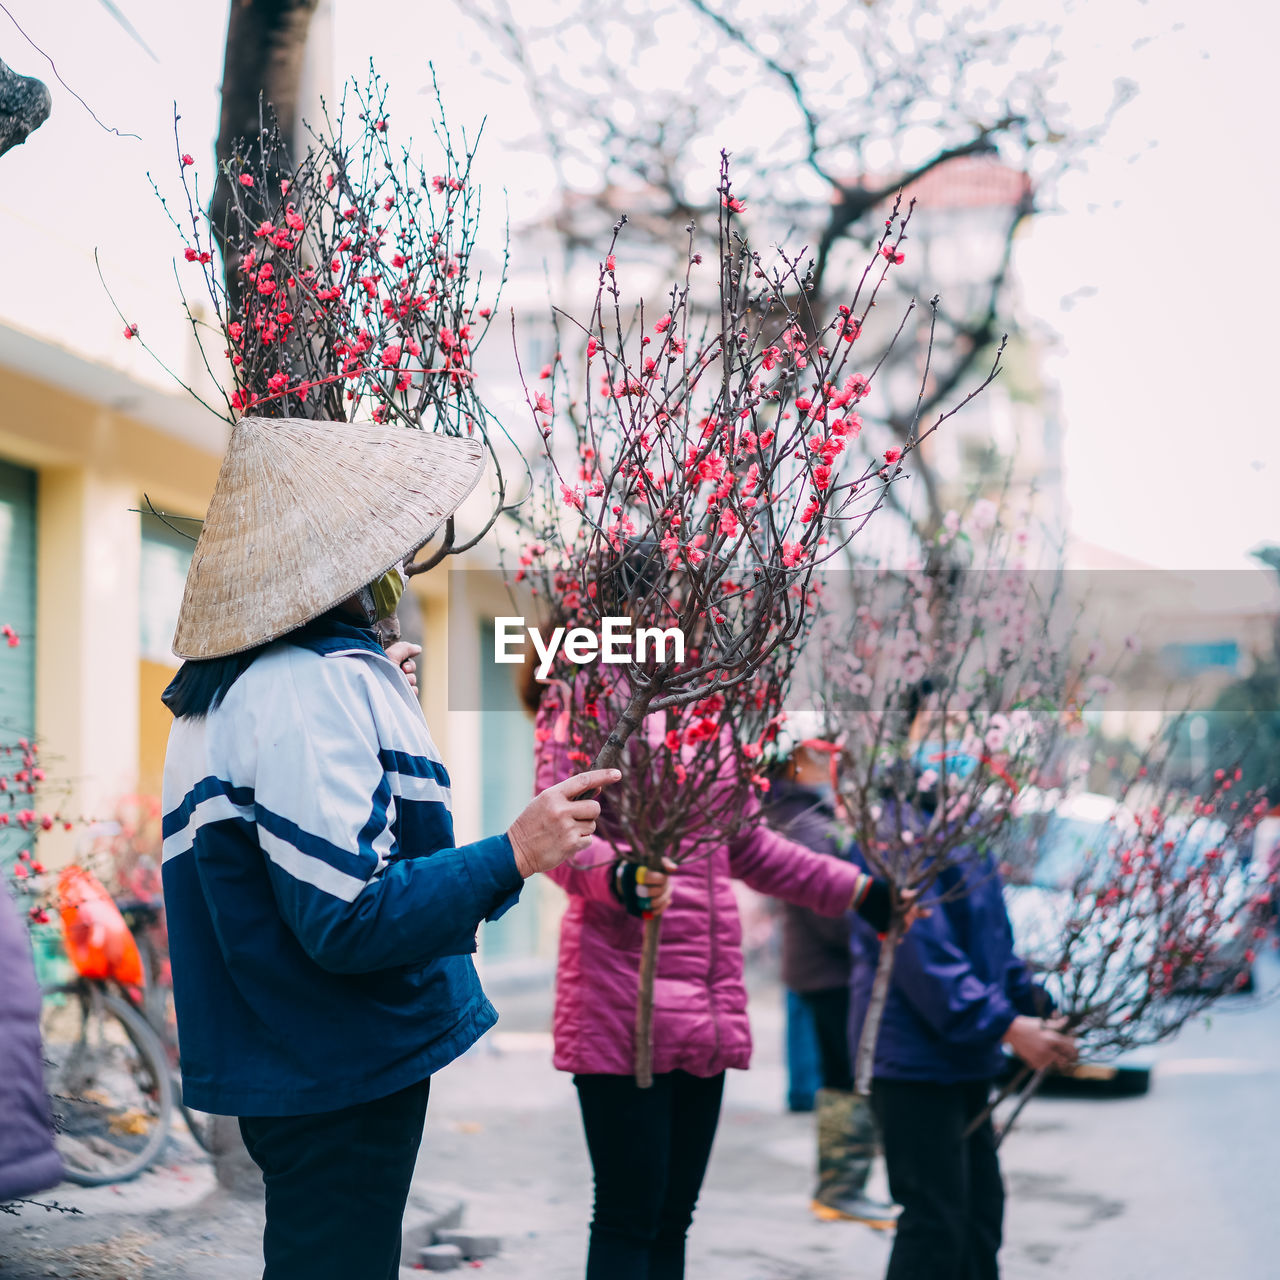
(96,716)
(153,724)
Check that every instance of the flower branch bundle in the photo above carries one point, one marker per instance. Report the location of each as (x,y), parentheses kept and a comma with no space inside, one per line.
(348,286)
(696,478)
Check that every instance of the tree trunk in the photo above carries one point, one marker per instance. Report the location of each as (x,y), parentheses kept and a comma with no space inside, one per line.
(875,1007)
(232,1164)
(25,104)
(261,76)
(644,1002)
(266,42)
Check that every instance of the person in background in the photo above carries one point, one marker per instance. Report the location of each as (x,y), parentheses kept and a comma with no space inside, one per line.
(816,965)
(28,1160)
(650,1147)
(959,995)
(321,914)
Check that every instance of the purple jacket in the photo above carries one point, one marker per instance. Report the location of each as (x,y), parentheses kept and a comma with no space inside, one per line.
(28,1161)
(956,987)
(700,1002)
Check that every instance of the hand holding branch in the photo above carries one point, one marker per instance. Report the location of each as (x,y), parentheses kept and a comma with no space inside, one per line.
(1041,1044)
(556,825)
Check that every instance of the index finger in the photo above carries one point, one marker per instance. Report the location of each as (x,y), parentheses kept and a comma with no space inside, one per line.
(582,786)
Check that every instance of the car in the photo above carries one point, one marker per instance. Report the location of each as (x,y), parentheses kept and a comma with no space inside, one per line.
(1046,847)
(1043,849)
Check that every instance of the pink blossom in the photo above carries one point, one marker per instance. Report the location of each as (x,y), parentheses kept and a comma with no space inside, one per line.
(892,455)
(544,403)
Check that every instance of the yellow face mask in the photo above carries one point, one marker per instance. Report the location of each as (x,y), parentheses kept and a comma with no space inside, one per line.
(386,592)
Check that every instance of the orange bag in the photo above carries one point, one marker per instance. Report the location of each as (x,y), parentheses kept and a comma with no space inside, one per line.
(99,943)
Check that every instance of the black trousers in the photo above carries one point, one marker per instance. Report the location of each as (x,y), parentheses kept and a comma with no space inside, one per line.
(649,1150)
(336,1185)
(830,1010)
(949,1186)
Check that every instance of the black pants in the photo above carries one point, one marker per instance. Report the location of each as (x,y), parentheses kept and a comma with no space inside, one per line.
(649,1150)
(830,1010)
(336,1185)
(949,1186)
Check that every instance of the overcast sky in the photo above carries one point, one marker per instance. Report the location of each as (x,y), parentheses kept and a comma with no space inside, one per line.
(1159,274)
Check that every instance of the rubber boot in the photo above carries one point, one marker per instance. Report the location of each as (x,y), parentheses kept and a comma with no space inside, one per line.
(846,1148)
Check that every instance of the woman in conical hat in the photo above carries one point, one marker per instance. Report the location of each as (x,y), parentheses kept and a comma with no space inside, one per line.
(321,918)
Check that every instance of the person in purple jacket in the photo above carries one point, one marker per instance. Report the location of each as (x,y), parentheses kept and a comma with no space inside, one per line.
(28,1159)
(649,1148)
(958,994)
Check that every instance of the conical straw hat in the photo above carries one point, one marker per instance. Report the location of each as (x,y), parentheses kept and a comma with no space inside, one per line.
(304,514)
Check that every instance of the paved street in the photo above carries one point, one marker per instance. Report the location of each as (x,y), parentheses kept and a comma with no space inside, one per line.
(1178,1184)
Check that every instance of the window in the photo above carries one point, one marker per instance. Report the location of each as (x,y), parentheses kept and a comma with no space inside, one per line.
(166,556)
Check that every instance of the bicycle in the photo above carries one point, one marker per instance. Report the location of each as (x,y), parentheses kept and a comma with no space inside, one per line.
(108,1079)
(143,916)
(111,1066)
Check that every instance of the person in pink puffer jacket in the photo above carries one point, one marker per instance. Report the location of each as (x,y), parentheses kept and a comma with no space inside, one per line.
(649,1147)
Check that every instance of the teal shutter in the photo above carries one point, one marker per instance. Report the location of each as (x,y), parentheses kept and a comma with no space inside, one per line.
(506,786)
(18,609)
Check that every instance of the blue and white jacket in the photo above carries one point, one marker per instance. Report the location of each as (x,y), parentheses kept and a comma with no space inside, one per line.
(320,917)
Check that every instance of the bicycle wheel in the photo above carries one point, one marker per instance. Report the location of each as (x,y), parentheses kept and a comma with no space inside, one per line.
(109,1083)
(199,1123)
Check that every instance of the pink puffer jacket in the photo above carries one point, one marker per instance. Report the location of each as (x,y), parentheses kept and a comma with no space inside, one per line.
(700,1001)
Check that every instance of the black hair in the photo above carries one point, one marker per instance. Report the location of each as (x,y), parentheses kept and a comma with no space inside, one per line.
(200,685)
(632,576)
(912,699)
